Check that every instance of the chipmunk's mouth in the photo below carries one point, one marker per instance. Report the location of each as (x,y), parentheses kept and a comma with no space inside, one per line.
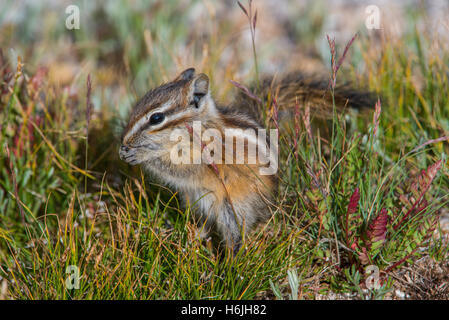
(136,154)
(129,155)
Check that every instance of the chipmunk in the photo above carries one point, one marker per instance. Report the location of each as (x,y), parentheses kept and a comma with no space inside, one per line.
(229,198)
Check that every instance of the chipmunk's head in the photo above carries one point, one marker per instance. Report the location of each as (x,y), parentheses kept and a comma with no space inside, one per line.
(162,110)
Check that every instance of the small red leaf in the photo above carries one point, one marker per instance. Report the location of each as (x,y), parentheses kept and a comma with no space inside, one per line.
(364,259)
(377,229)
(354,201)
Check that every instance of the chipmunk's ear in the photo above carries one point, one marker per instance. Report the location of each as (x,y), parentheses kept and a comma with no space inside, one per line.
(201,84)
(187,74)
(199,89)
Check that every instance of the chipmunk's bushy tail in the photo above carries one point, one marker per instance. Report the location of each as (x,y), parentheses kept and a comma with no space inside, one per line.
(304,90)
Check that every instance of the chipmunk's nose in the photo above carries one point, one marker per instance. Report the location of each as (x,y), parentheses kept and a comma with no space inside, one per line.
(123,152)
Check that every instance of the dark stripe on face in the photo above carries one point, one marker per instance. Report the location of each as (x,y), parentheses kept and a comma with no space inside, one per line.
(172,124)
(153,99)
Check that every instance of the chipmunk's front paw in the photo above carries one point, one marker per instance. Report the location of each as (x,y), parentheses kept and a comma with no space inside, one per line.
(130,155)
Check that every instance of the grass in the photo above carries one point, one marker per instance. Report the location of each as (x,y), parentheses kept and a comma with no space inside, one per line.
(352,192)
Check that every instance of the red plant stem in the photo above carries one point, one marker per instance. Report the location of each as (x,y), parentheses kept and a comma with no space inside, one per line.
(352,207)
(432,171)
(396,264)
(413,251)
(246,91)
(440,139)
(342,58)
(412,208)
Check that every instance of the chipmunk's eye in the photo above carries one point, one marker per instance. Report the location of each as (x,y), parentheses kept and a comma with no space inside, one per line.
(157,118)
(196,99)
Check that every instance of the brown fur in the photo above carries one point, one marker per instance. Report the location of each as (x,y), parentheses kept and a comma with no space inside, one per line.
(228,199)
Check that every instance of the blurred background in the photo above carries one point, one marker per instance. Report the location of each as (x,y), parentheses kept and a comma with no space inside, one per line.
(130,46)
